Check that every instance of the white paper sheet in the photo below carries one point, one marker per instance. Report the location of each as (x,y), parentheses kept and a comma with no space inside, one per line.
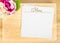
(37,21)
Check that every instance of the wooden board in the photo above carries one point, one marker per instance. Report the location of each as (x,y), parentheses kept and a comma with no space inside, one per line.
(38,1)
(58,17)
(12,24)
(19,41)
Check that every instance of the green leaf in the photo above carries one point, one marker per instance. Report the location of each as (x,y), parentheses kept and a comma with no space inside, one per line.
(17,4)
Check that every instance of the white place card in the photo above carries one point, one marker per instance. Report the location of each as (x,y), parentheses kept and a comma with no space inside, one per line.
(37,21)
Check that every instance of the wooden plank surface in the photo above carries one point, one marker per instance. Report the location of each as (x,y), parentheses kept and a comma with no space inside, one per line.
(15,31)
(11,30)
(38,1)
(0,29)
(58,13)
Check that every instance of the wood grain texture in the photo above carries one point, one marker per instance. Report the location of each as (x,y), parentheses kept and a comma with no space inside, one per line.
(0,29)
(58,13)
(10,35)
(38,1)
(12,25)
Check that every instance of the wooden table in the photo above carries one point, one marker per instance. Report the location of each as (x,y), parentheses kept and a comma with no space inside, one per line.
(10,32)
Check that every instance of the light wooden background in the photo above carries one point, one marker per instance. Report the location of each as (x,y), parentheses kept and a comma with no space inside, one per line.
(15,31)
(58,13)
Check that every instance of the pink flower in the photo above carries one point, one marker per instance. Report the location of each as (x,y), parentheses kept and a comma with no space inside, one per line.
(9,5)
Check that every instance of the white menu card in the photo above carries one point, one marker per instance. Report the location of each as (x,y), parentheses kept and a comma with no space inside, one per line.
(37,21)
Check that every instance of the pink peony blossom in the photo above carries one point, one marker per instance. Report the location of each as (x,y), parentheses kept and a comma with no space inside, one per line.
(9,5)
